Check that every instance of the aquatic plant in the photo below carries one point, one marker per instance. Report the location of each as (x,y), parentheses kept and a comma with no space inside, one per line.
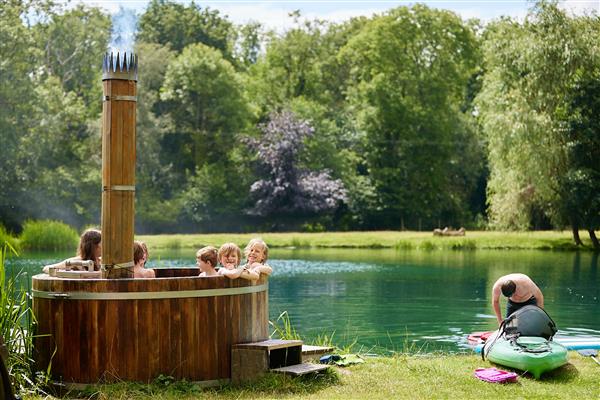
(16,328)
(48,235)
(173,243)
(283,328)
(7,237)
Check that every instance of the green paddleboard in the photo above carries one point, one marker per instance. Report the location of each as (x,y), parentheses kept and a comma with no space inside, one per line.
(535,355)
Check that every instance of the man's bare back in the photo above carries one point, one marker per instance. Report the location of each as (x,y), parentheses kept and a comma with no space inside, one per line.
(524,290)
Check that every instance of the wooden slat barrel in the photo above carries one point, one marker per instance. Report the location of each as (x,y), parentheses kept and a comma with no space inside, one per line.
(107,330)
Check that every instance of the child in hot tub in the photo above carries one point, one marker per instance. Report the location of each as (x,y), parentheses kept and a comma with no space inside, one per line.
(230,256)
(256,253)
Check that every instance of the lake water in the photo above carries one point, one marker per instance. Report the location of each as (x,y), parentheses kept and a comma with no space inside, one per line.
(394,299)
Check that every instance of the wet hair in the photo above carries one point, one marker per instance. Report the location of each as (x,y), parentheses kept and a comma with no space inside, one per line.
(508,288)
(87,244)
(208,254)
(138,251)
(229,248)
(257,242)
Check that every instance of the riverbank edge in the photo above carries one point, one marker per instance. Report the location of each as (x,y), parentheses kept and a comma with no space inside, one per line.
(402,240)
(419,376)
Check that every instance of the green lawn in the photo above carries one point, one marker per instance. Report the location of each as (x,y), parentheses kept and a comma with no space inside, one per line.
(402,376)
(543,240)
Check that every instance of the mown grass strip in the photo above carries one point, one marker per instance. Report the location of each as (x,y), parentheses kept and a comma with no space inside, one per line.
(407,240)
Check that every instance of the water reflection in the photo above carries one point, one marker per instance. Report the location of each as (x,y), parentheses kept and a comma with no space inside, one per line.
(402,299)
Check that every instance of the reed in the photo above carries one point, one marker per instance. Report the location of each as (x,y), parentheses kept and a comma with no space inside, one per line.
(7,237)
(283,328)
(16,327)
(48,235)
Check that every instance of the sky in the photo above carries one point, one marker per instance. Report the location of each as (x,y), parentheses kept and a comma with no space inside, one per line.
(274,14)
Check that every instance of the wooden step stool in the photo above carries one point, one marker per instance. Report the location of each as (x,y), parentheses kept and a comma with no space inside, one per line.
(251,360)
(314,353)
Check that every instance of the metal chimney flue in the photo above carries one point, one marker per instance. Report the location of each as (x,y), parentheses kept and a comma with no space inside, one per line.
(119,81)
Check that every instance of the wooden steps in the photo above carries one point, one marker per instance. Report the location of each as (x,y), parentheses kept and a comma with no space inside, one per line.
(315,352)
(301,369)
(271,344)
(251,360)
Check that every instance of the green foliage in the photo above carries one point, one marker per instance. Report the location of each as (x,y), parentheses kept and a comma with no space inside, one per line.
(63,156)
(404,245)
(157,203)
(213,194)
(207,112)
(283,328)
(8,238)
(580,185)
(390,97)
(300,243)
(48,235)
(313,227)
(248,43)
(178,26)
(73,43)
(49,90)
(427,245)
(173,244)
(409,72)
(530,69)
(17,49)
(17,328)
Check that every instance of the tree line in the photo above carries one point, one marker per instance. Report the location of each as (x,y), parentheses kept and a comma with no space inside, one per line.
(411,119)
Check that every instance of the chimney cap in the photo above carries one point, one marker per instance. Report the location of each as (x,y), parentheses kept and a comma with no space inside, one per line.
(120,67)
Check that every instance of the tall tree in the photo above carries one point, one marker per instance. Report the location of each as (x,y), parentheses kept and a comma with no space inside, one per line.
(157,190)
(579,184)
(530,68)
(410,69)
(18,52)
(249,42)
(203,96)
(73,44)
(301,72)
(175,25)
(286,190)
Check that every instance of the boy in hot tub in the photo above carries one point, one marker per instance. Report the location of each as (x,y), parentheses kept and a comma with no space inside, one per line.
(206,260)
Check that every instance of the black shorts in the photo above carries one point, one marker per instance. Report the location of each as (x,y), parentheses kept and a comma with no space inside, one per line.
(512,306)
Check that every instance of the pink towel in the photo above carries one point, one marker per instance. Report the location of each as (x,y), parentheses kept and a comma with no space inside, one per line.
(495,375)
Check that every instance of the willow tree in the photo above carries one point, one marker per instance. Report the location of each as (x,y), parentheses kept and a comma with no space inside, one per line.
(530,70)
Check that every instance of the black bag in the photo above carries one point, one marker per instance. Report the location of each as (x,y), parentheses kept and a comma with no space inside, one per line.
(530,320)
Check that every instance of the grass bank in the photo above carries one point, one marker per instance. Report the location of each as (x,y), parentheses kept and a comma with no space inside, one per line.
(401,376)
(480,240)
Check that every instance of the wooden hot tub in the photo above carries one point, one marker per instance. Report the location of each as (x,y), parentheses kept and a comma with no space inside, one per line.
(177,325)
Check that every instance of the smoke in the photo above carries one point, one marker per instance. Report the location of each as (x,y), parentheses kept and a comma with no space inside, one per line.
(124,24)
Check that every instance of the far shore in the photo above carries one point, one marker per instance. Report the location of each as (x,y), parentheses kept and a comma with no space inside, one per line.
(408,240)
